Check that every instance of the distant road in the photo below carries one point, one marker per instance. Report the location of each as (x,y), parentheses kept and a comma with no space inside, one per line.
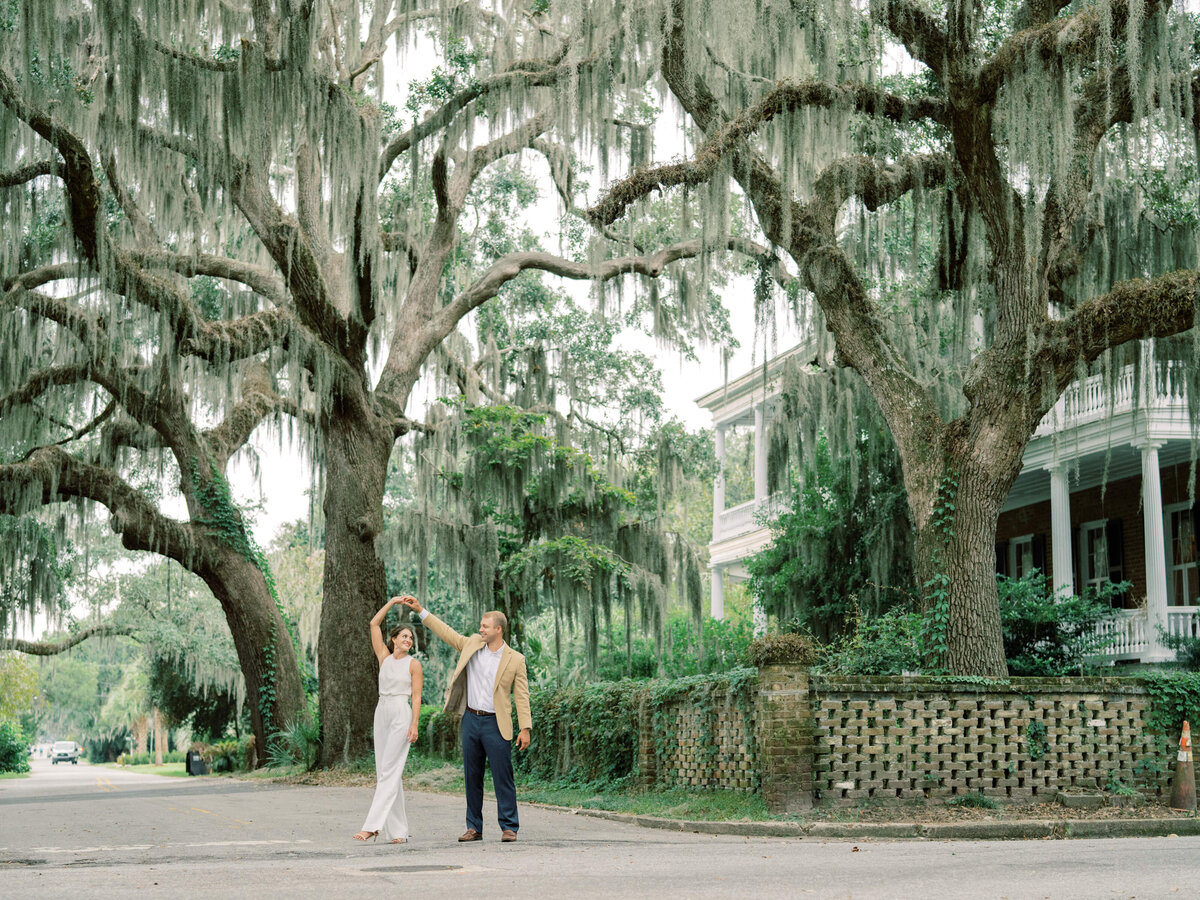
(89,831)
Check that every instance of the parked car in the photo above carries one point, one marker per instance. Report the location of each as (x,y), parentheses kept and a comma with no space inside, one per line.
(65,751)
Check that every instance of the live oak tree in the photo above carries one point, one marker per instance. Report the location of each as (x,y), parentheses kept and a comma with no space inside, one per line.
(218,219)
(1031,140)
(557,471)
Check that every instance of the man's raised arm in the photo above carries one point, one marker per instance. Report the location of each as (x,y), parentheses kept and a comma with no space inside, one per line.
(434,624)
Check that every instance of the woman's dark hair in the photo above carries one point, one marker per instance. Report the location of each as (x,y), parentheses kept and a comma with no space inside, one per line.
(395,633)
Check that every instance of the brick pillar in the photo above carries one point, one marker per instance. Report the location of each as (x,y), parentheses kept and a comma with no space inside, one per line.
(647,759)
(784,726)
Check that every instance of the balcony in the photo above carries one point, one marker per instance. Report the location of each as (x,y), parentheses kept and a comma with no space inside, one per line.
(747,517)
(1099,396)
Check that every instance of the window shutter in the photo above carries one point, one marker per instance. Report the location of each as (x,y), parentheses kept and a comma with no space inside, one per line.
(1115,539)
(1002,558)
(1116,550)
(1039,553)
(1076,562)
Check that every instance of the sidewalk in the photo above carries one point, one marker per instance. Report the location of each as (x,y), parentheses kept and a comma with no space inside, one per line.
(985,830)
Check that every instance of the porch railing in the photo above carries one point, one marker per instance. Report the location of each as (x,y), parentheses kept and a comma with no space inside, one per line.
(746,517)
(1132,638)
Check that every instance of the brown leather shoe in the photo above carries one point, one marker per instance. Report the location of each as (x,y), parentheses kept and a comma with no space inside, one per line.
(470,835)
(508,836)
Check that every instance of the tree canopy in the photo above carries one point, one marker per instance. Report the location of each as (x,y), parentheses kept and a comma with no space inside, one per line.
(1038,141)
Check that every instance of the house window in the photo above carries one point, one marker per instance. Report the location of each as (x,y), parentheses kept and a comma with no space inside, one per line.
(1183,569)
(1020,552)
(1101,554)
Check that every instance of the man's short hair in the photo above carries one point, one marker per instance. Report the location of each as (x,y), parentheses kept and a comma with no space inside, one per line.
(498,618)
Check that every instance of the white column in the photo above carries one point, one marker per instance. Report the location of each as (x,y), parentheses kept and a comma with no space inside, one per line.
(1156,554)
(718,592)
(719,484)
(760,452)
(1060,531)
(760,618)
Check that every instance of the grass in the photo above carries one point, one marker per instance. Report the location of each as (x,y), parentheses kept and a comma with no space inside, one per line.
(172,770)
(426,773)
(7,775)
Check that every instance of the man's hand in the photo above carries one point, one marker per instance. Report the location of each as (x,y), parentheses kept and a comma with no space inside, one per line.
(523,739)
(411,602)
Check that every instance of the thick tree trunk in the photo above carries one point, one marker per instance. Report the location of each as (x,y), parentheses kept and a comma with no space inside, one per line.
(357,449)
(956,532)
(263,643)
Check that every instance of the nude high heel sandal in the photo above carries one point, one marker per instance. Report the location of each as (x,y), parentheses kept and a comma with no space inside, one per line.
(365,836)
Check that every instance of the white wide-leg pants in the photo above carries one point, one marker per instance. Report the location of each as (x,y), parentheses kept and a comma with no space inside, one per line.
(393,716)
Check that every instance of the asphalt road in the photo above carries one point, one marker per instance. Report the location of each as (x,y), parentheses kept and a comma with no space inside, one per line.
(86,831)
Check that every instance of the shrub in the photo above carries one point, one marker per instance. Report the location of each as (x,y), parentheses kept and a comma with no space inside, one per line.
(1050,635)
(773,649)
(891,644)
(145,759)
(14,747)
(299,743)
(587,734)
(225,756)
(1187,650)
(438,732)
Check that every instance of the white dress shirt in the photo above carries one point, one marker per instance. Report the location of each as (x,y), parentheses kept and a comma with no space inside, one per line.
(481,679)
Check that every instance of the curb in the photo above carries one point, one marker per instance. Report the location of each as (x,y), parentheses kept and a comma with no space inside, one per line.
(1018,830)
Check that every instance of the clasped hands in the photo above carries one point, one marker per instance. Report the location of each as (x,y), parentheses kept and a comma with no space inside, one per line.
(410,601)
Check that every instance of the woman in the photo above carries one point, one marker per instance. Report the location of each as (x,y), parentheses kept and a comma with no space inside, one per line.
(395,728)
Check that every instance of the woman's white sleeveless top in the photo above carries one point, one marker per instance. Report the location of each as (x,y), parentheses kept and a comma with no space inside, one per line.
(395,677)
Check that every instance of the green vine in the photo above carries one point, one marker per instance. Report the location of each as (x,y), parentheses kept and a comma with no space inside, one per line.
(936,622)
(1174,698)
(707,695)
(227,523)
(1035,734)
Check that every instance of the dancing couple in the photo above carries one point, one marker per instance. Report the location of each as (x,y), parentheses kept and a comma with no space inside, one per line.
(490,675)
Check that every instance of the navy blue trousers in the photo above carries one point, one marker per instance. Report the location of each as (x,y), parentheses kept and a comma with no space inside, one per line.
(481,740)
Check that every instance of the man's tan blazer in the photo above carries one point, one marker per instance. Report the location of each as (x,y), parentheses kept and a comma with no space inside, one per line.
(511,678)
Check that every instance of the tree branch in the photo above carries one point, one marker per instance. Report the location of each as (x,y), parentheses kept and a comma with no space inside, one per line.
(40,382)
(1139,308)
(49,648)
(258,401)
(51,475)
(1054,41)
(917,28)
(532,73)
(786,97)
(28,173)
(259,279)
(227,341)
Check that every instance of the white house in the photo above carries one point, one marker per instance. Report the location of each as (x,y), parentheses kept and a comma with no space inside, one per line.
(1104,488)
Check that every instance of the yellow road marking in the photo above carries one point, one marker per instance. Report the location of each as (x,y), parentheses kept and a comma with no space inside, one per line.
(219,815)
(104,784)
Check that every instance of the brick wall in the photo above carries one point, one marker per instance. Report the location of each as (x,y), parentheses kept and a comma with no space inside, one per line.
(793,736)
(705,739)
(914,738)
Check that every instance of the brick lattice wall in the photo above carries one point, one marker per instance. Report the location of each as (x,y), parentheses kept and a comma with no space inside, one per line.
(912,738)
(713,743)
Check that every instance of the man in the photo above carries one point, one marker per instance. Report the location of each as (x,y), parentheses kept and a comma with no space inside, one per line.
(489,672)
